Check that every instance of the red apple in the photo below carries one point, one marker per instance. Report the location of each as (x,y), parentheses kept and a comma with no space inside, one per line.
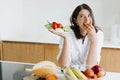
(96,69)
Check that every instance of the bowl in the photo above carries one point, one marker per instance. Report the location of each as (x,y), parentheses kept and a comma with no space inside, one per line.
(82,69)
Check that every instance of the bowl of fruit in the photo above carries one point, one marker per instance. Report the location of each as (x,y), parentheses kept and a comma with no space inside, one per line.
(95,72)
(56,26)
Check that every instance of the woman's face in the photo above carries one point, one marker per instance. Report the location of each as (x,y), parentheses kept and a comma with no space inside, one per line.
(83,18)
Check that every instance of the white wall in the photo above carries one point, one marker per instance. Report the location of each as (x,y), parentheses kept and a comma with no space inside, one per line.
(111,16)
(23,20)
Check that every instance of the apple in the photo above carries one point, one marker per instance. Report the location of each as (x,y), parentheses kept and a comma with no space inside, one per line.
(89,73)
(96,69)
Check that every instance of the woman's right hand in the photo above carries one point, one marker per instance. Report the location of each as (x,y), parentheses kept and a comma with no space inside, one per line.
(61,34)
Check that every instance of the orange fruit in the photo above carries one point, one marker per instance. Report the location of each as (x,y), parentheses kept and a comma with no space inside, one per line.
(95,76)
(100,74)
(51,77)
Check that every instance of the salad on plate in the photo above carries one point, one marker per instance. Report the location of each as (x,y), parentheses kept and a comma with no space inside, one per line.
(57,27)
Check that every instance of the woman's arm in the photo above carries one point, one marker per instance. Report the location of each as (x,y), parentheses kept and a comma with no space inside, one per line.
(96,46)
(93,52)
(63,58)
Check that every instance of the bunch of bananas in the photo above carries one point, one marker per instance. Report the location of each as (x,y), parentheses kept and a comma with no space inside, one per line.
(75,74)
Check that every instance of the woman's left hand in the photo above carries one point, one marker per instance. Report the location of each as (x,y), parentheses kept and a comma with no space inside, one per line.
(61,34)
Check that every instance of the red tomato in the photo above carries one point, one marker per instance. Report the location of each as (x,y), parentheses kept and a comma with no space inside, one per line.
(59,25)
(54,22)
(54,25)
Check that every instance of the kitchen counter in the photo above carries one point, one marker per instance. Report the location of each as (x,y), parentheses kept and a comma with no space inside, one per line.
(109,44)
(112,76)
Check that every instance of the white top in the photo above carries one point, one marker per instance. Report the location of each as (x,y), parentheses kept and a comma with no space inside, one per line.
(78,51)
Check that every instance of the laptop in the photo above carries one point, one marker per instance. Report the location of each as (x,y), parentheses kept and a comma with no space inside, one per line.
(14,70)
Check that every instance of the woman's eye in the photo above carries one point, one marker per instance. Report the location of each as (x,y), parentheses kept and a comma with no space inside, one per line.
(81,16)
(89,15)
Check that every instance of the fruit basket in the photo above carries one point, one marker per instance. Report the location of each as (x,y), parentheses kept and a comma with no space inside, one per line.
(95,72)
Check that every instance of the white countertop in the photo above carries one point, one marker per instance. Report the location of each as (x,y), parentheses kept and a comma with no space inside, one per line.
(112,76)
(110,44)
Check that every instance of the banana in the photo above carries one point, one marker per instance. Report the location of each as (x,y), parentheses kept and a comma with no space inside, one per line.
(79,74)
(70,74)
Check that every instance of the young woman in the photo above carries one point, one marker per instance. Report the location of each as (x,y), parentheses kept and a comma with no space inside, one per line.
(82,45)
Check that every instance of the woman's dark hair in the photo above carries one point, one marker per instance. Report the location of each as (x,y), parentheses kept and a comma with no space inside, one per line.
(74,15)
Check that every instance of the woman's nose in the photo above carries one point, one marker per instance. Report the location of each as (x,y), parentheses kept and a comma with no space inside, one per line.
(86,19)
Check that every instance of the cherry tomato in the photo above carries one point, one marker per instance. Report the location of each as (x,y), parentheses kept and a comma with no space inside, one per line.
(59,25)
(54,25)
(54,22)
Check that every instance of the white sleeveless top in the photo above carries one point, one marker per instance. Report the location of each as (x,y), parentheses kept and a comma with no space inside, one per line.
(78,50)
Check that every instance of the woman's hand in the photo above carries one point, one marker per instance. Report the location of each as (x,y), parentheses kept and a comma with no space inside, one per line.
(61,34)
(91,32)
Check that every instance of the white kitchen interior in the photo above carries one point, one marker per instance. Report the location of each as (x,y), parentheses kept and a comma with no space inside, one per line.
(24,20)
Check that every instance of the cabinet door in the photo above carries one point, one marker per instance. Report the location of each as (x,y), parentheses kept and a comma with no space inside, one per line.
(110,59)
(0,50)
(23,52)
(51,51)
